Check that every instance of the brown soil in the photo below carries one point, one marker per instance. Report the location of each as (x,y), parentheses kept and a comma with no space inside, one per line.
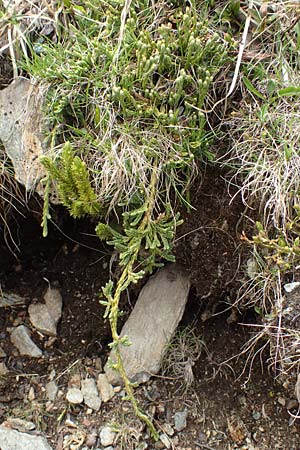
(227,409)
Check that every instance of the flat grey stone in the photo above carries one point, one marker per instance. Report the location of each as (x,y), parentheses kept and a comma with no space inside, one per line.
(107,436)
(20,424)
(21,130)
(41,319)
(180,420)
(45,316)
(290,287)
(165,440)
(105,388)
(14,440)
(168,429)
(74,396)
(21,339)
(53,301)
(90,394)
(51,390)
(151,324)
(10,300)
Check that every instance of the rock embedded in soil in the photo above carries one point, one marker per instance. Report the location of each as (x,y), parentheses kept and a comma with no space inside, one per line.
(90,394)
(21,339)
(168,429)
(290,287)
(3,369)
(11,300)
(54,302)
(74,396)
(51,390)
(20,424)
(151,324)
(105,388)
(41,319)
(165,440)
(45,316)
(107,436)
(2,353)
(180,420)
(15,440)
(21,130)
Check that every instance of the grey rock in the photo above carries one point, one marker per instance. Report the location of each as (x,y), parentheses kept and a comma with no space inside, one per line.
(165,440)
(151,324)
(180,420)
(20,424)
(54,302)
(14,440)
(2,353)
(41,319)
(256,415)
(105,388)
(51,390)
(9,300)
(21,339)
(107,436)
(3,369)
(21,130)
(290,287)
(168,429)
(90,394)
(74,396)
(45,316)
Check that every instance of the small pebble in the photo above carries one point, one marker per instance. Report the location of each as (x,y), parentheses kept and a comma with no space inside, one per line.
(180,420)
(256,415)
(117,389)
(281,401)
(51,390)
(90,394)
(3,369)
(168,429)
(107,436)
(165,440)
(31,394)
(75,396)
(105,388)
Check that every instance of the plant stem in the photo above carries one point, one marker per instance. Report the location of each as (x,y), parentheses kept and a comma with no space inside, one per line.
(114,309)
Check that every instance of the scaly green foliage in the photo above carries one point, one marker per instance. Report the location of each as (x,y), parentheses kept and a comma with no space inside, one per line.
(73,184)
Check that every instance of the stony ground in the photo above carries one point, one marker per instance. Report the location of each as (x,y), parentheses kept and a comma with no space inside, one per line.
(203,399)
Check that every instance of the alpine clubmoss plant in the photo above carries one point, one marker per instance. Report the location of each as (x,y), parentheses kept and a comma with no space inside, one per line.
(126,93)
